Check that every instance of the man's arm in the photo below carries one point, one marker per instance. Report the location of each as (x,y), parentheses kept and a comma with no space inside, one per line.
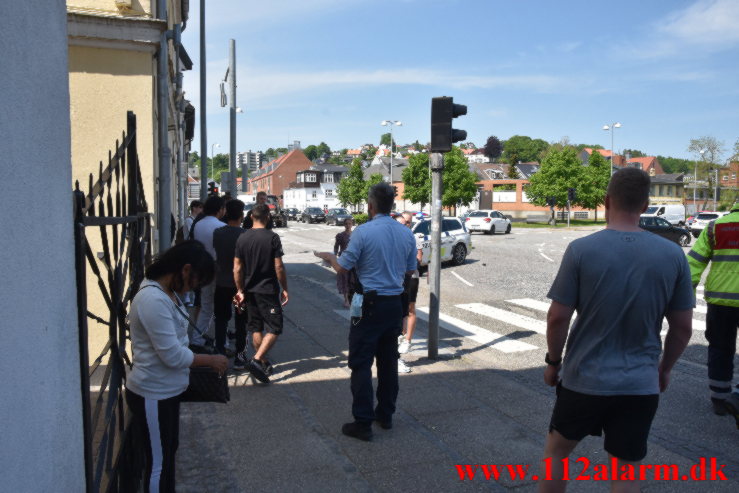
(331,259)
(678,335)
(558,324)
(281,278)
(239,279)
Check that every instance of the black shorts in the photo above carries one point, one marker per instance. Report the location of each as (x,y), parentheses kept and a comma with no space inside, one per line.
(625,419)
(411,288)
(196,301)
(265,313)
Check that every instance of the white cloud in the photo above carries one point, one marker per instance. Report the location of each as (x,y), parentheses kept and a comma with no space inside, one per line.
(706,26)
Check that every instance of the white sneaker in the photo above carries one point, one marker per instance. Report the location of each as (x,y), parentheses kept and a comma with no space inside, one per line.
(402,367)
(404,346)
(401,338)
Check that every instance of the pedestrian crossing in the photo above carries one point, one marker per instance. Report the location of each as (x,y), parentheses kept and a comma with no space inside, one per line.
(483,336)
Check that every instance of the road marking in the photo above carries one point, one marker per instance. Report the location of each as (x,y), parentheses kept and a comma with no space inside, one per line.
(546,257)
(511,318)
(477,334)
(700,288)
(460,278)
(700,309)
(542,306)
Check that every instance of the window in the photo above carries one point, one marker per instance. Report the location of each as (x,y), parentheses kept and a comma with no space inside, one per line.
(328,178)
(300,178)
(726,177)
(313,194)
(329,192)
(450,225)
(423,227)
(581,214)
(310,177)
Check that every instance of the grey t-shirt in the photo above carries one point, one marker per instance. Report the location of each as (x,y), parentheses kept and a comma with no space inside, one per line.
(621,284)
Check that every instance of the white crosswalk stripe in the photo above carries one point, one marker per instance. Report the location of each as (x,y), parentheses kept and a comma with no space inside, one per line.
(505,316)
(477,334)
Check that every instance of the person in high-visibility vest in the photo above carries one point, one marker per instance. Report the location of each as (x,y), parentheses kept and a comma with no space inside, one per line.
(719,244)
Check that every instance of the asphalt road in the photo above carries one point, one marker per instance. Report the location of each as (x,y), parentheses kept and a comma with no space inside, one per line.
(497,302)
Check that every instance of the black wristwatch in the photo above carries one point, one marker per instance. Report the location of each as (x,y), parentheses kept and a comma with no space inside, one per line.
(550,362)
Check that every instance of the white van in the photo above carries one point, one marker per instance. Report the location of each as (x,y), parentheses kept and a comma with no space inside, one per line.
(673,213)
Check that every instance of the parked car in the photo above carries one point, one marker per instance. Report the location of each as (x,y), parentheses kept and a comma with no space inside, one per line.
(337,216)
(279,218)
(673,213)
(456,242)
(292,213)
(463,217)
(312,215)
(488,221)
(663,228)
(702,220)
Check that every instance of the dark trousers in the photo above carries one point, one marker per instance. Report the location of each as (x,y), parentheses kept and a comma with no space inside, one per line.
(375,337)
(156,427)
(721,326)
(222,308)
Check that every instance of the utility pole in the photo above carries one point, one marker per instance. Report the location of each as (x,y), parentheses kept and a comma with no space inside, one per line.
(232,116)
(203,129)
(436,162)
(443,110)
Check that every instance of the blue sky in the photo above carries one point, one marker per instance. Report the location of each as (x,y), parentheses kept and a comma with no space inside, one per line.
(332,70)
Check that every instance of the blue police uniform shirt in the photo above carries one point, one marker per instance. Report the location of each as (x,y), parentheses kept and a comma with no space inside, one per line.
(382,250)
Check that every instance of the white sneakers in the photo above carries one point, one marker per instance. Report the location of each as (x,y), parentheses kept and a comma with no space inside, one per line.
(403,367)
(404,346)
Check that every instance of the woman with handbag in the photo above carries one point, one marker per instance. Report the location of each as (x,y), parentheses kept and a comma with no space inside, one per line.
(161,357)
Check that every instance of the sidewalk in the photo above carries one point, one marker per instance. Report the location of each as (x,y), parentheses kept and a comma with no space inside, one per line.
(286,436)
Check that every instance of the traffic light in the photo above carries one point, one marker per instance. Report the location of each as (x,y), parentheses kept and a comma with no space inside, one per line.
(571,194)
(443,111)
(551,201)
(395,191)
(212,188)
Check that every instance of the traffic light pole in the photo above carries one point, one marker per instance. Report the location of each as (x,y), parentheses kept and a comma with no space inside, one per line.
(436,162)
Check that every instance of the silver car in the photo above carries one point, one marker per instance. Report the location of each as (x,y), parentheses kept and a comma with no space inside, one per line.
(702,220)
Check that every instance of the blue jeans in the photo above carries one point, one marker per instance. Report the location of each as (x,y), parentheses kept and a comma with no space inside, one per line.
(375,337)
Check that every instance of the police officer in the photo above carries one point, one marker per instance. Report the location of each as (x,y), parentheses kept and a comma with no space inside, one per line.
(382,251)
(719,244)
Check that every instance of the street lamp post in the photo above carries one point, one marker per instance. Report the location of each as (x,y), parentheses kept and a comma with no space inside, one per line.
(212,167)
(390,123)
(695,178)
(611,127)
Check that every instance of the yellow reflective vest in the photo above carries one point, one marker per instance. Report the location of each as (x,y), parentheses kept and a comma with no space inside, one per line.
(718,243)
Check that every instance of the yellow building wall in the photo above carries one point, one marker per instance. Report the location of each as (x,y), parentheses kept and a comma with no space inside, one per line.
(109,6)
(103,85)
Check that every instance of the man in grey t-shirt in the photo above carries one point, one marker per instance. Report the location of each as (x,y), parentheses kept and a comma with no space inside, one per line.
(622,281)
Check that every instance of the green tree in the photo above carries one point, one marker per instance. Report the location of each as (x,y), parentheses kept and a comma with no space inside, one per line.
(676,165)
(385,139)
(416,181)
(419,147)
(493,148)
(351,188)
(709,150)
(270,153)
(311,152)
(560,169)
(521,148)
(373,179)
(633,153)
(281,150)
(735,156)
(460,184)
(369,152)
(595,177)
(195,159)
(323,149)
(218,164)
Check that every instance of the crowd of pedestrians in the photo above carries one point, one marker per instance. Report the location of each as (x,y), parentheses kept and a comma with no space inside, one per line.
(608,368)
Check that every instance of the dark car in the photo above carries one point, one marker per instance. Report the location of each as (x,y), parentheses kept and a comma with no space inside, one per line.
(292,213)
(312,215)
(337,216)
(663,228)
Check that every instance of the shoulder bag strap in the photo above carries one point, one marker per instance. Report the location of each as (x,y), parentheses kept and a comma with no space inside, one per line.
(189,321)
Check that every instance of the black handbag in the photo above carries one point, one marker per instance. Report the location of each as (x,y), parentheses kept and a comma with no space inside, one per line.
(206,384)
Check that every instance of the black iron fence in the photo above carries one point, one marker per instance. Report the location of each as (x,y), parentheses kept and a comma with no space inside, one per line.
(113,240)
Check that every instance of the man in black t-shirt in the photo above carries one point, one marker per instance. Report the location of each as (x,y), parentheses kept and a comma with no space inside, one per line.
(224,243)
(261,279)
(249,222)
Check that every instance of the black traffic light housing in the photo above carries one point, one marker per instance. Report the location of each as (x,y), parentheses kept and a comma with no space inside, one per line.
(443,111)
(212,188)
(551,201)
(571,194)
(395,191)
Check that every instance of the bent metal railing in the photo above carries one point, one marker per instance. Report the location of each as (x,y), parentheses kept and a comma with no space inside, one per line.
(111,219)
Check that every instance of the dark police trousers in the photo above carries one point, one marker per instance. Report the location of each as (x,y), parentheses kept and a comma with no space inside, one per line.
(375,337)
(721,327)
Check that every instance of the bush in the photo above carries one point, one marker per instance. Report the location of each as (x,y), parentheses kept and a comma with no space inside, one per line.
(360,219)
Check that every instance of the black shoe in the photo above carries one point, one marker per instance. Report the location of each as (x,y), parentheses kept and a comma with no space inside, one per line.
(256,368)
(239,361)
(719,408)
(357,430)
(731,404)
(268,368)
(385,425)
